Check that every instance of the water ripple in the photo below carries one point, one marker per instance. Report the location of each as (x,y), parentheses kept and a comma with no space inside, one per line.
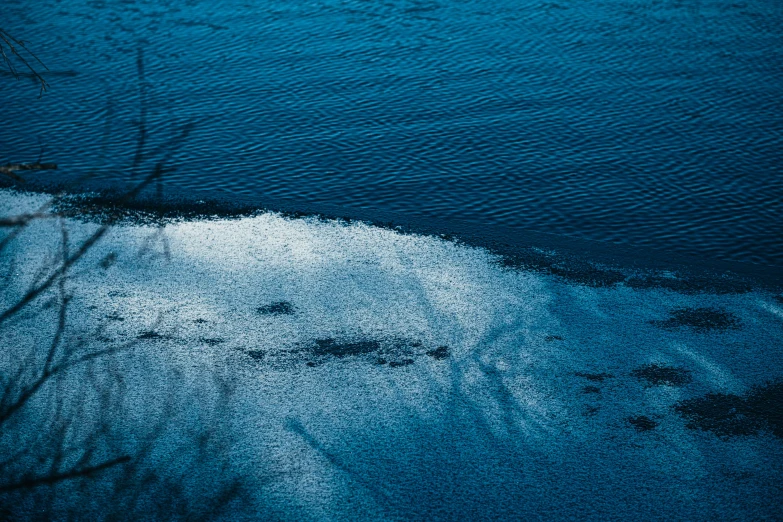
(657,124)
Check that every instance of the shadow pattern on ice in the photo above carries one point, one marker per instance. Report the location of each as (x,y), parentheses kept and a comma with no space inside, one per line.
(501,391)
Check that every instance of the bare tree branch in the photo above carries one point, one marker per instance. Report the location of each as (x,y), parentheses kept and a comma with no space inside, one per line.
(72,259)
(81,428)
(30,390)
(58,477)
(6,40)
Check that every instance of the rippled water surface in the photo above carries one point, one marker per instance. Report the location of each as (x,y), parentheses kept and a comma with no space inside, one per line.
(656,123)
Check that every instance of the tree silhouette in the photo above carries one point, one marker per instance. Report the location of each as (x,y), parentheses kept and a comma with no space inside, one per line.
(71,442)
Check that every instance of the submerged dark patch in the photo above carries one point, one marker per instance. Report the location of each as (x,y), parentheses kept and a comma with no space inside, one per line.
(594,377)
(729,415)
(550,338)
(441,352)
(334,348)
(591,389)
(404,362)
(716,284)
(699,319)
(574,270)
(276,308)
(586,273)
(391,352)
(212,341)
(642,423)
(659,375)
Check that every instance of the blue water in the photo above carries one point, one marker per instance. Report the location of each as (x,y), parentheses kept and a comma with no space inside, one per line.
(651,123)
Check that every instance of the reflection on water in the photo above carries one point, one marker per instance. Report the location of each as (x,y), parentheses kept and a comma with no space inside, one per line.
(656,124)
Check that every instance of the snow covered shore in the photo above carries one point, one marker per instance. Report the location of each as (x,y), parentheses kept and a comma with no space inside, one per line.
(379,375)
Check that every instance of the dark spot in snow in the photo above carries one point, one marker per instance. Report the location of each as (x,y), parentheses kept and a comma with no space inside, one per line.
(256,354)
(404,362)
(150,335)
(550,338)
(199,321)
(108,260)
(115,317)
(311,364)
(591,389)
(642,423)
(441,352)
(594,377)
(331,347)
(277,308)
(394,352)
(117,293)
(729,415)
(699,319)
(212,342)
(660,375)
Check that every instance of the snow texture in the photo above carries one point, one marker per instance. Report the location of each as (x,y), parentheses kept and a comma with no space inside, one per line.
(379,375)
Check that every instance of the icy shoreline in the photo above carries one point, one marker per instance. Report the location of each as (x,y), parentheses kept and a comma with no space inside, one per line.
(380,375)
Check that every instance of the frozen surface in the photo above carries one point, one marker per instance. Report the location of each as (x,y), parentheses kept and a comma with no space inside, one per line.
(378,375)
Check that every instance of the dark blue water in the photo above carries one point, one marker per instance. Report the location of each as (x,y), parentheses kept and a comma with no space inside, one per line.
(651,123)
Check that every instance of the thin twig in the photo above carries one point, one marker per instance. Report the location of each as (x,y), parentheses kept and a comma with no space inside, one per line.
(28,392)
(9,42)
(59,477)
(72,259)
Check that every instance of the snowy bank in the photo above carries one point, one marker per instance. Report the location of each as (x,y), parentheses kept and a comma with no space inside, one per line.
(380,375)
